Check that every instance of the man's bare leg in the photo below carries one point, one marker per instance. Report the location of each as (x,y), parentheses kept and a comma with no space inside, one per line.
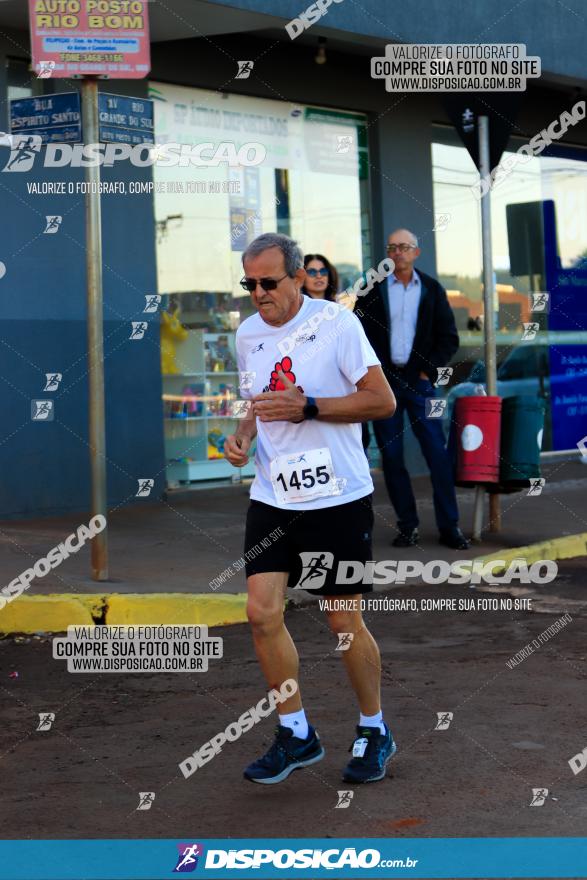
(296,742)
(362,660)
(274,647)
(374,746)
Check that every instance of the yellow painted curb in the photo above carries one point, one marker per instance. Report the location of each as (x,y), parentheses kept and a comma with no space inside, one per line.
(55,612)
(184,608)
(51,613)
(557,548)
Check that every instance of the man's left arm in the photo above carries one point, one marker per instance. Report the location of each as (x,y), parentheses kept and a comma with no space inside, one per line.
(373,399)
(444,334)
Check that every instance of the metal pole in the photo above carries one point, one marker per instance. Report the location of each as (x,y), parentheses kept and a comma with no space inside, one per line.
(478,513)
(97,433)
(488,292)
(488,323)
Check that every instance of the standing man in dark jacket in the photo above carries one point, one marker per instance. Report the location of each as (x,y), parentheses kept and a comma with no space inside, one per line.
(410,324)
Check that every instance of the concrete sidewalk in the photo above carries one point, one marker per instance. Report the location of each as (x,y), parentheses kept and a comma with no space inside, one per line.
(182,543)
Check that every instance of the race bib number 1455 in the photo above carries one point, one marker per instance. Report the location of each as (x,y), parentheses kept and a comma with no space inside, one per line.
(303,476)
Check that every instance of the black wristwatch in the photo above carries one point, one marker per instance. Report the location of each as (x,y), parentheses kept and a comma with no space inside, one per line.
(310,409)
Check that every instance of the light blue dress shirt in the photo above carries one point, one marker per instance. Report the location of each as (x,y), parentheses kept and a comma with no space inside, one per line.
(403,315)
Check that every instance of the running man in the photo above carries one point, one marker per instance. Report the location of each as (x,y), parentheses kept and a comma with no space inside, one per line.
(315,378)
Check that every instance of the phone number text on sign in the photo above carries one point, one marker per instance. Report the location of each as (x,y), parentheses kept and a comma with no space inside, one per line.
(155,648)
(83,37)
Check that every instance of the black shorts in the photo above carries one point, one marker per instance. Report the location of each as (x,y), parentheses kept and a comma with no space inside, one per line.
(312,544)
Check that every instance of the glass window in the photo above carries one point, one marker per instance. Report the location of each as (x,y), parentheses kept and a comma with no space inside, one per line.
(22,82)
(311,184)
(539,241)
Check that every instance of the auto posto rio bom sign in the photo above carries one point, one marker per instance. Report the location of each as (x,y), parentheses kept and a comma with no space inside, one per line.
(90,37)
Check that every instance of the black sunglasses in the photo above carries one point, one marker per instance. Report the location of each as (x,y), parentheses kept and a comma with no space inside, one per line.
(250,284)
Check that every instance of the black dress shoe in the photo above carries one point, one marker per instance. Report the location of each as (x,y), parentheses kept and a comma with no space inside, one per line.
(454,539)
(406,539)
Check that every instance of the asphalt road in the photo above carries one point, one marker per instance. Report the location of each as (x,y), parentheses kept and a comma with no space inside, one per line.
(115,735)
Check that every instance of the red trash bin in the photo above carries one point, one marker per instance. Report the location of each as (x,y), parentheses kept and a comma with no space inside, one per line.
(478,428)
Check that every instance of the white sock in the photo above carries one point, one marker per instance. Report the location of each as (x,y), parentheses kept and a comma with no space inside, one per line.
(297,722)
(372,721)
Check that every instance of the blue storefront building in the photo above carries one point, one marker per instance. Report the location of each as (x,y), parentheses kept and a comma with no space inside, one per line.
(345,162)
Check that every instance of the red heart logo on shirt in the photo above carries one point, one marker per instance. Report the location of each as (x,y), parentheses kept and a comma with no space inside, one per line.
(283,366)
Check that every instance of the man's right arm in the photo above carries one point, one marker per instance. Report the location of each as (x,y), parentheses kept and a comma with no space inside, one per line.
(237,445)
(445,336)
(247,427)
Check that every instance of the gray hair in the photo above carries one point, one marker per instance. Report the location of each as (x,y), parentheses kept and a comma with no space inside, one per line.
(293,257)
(409,231)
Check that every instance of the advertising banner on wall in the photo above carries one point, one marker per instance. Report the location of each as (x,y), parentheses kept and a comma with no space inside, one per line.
(568,384)
(293,137)
(235,166)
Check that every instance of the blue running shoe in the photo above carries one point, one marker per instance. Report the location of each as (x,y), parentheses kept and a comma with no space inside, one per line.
(288,753)
(371,752)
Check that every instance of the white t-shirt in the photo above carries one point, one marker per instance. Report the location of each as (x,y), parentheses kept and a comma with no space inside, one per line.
(325,352)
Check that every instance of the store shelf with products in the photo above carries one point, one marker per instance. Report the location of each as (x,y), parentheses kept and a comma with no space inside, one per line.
(217,373)
(200,398)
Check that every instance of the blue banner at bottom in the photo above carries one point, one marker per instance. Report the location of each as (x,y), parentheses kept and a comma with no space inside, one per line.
(554,857)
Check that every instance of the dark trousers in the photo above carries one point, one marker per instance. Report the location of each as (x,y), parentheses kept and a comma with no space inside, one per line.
(389,434)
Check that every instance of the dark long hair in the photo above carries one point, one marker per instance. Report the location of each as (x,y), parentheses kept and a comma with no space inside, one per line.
(332,288)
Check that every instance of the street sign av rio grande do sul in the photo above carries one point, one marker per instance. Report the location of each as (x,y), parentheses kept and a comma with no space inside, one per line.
(72,38)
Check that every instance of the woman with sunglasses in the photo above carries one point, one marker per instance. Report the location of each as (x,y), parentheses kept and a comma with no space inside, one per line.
(321,277)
